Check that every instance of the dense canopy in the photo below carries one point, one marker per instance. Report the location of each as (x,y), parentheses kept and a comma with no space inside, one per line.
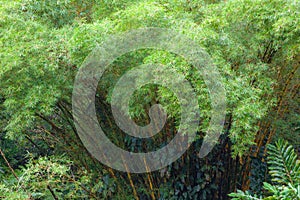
(255,45)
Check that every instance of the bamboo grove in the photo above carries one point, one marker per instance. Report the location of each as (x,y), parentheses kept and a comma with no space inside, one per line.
(255,44)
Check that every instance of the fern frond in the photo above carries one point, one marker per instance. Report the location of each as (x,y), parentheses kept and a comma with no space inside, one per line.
(283,164)
(285,171)
(240,195)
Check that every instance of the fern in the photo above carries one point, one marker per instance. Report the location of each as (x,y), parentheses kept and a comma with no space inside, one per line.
(284,168)
(283,164)
(240,195)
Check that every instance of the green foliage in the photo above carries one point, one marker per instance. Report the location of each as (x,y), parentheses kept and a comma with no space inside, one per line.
(43,43)
(284,168)
(57,53)
(31,58)
(255,46)
(57,13)
(258,172)
(290,123)
(54,177)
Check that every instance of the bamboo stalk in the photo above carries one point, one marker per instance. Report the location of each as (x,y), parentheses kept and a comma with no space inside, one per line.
(131,181)
(149,180)
(9,166)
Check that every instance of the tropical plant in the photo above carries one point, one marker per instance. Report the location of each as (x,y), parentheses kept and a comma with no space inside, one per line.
(52,178)
(284,168)
(253,43)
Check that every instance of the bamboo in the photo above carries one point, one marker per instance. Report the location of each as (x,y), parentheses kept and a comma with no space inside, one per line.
(149,180)
(131,181)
